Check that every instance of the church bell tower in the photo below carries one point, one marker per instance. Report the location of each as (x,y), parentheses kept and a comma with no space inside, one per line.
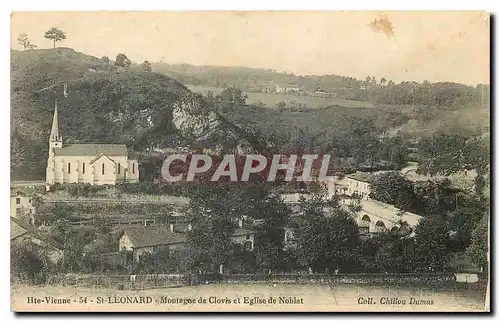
(55,140)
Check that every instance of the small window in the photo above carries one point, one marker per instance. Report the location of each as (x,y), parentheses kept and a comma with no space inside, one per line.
(29,200)
(83,167)
(103,168)
(119,168)
(18,201)
(248,236)
(69,167)
(247,245)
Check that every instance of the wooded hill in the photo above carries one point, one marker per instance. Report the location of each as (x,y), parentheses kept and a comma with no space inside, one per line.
(103,104)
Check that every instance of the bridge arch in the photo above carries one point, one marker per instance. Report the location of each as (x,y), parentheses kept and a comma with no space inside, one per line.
(365,220)
(380,227)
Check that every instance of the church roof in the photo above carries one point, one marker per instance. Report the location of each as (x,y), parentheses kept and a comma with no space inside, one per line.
(93,150)
(101,155)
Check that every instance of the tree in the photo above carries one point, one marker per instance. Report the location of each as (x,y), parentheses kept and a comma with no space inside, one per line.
(105,59)
(465,218)
(478,250)
(432,244)
(212,214)
(383,81)
(24,41)
(395,254)
(231,98)
(393,188)
(446,153)
(27,261)
(435,197)
(18,151)
(122,60)
(270,235)
(55,35)
(146,66)
(327,237)
(281,106)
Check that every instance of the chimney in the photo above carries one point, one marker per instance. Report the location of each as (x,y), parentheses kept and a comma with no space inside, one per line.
(171,228)
(240,223)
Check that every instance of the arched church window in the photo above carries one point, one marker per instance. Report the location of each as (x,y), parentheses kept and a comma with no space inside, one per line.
(103,168)
(119,167)
(69,167)
(83,167)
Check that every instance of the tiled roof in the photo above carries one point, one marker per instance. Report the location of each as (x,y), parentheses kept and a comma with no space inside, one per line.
(161,235)
(153,235)
(18,228)
(93,150)
(241,232)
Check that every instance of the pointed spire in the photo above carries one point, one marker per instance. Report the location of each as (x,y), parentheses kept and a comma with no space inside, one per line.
(54,133)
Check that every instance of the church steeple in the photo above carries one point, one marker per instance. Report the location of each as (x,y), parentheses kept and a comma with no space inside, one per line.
(54,133)
(55,140)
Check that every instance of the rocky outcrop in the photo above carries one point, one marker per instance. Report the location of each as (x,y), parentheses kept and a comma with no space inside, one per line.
(193,119)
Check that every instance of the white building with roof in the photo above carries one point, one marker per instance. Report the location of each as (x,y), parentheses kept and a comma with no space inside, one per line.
(96,164)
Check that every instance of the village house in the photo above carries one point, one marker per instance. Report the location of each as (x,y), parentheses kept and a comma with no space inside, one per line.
(287,89)
(96,164)
(152,239)
(21,204)
(354,184)
(359,184)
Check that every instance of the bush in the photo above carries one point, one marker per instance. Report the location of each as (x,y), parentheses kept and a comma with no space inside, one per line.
(151,188)
(79,189)
(27,262)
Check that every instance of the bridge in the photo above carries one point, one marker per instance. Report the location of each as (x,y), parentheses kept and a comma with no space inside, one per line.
(376,217)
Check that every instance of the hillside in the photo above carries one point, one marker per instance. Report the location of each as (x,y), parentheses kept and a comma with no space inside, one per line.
(149,110)
(428,107)
(104,104)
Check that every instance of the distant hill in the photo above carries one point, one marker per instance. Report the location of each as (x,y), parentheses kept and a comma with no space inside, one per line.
(250,79)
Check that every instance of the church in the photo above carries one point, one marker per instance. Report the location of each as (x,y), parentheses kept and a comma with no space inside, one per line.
(97,164)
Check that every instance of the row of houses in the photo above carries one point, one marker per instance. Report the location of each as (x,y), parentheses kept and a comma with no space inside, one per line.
(148,237)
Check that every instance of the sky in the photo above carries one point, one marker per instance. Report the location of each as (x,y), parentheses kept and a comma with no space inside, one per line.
(404,45)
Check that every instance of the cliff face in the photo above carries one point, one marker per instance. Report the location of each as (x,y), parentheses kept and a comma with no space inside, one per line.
(100,103)
(194,120)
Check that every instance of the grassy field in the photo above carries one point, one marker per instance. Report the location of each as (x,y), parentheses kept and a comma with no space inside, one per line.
(307,298)
(270,100)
